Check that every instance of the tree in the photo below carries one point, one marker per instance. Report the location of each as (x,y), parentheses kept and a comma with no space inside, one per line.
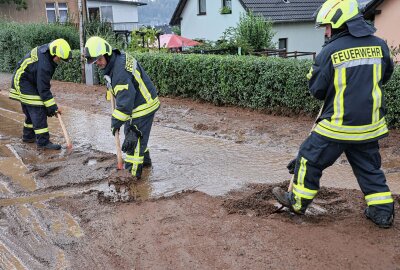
(254,33)
(176,30)
(20,3)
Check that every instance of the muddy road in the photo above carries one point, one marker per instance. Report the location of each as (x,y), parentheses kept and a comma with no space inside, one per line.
(205,204)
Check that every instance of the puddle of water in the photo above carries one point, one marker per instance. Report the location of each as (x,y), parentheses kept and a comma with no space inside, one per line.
(183,160)
(12,166)
(38,229)
(32,199)
(91,162)
(4,189)
(61,261)
(73,227)
(8,260)
(24,211)
(56,226)
(17,172)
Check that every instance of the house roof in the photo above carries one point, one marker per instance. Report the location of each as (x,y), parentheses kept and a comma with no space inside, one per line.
(133,2)
(277,10)
(176,17)
(284,10)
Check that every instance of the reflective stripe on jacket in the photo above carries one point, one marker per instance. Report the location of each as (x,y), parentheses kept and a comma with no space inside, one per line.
(31,79)
(135,94)
(348,75)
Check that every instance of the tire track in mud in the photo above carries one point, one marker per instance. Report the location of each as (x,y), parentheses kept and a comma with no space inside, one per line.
(33,233)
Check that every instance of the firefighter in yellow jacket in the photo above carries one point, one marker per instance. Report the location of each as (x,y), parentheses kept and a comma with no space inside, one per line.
(31,86)
(136,100)
(348,75)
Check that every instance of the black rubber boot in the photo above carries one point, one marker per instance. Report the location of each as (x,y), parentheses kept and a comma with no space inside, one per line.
(146,159)
(381,218)
(50,146)
(285,198)
(28,140)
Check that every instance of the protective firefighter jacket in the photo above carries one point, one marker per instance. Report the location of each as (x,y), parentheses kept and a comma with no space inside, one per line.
(31,80)
(135,94)
(348,75)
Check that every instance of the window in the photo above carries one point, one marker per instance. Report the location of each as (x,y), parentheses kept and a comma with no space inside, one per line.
(51,12)
(106,13)
(282,47)
(283,44)
(226,7)
(94,13)
(227,3)
(63,12)
(202,7)
(57,12)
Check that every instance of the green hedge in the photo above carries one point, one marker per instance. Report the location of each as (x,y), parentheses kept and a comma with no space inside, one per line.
(18,39)
(70,71)
(274,85)
(392,98)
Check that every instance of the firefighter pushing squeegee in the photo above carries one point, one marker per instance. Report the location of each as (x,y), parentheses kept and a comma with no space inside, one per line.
(136,100)
(348,75)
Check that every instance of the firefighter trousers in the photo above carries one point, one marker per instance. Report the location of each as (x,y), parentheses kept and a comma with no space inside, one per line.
(35,125)
(317,153)
(140,156)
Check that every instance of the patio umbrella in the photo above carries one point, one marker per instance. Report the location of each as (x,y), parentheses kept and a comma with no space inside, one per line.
(175,41)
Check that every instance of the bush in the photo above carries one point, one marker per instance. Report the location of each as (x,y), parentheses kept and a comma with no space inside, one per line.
(274,85)
(254,33)
(392,98)
(96,27)
(70,71)
(17,39)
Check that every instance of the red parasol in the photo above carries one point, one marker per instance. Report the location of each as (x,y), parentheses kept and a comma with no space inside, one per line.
(175,41)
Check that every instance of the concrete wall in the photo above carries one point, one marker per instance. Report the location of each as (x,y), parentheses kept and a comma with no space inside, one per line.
(301,36)
(388,22)
(213,24)
(36,11)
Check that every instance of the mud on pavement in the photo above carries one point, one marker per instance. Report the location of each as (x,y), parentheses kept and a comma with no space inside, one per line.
(74,210)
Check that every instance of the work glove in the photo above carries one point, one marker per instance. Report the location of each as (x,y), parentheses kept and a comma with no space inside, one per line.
(291,166)
(130,142)
(52,110)
(115,125)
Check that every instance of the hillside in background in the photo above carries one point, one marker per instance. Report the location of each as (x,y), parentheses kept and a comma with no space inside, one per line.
(157,12)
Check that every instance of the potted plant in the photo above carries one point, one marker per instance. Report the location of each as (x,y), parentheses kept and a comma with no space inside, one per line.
(225,10)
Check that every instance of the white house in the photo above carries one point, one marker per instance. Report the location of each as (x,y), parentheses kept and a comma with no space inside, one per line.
(123,14)
(292,20)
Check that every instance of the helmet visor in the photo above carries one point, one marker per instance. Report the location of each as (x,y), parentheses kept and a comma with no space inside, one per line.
(92,60)
(69,58)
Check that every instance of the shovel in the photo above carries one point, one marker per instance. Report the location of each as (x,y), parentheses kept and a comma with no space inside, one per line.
(117,141)
(67,139)
(290,188)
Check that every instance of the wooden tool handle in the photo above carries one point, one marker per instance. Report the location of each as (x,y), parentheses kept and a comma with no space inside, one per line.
(120,164)
(119,152)
(290,188)
(67,139)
